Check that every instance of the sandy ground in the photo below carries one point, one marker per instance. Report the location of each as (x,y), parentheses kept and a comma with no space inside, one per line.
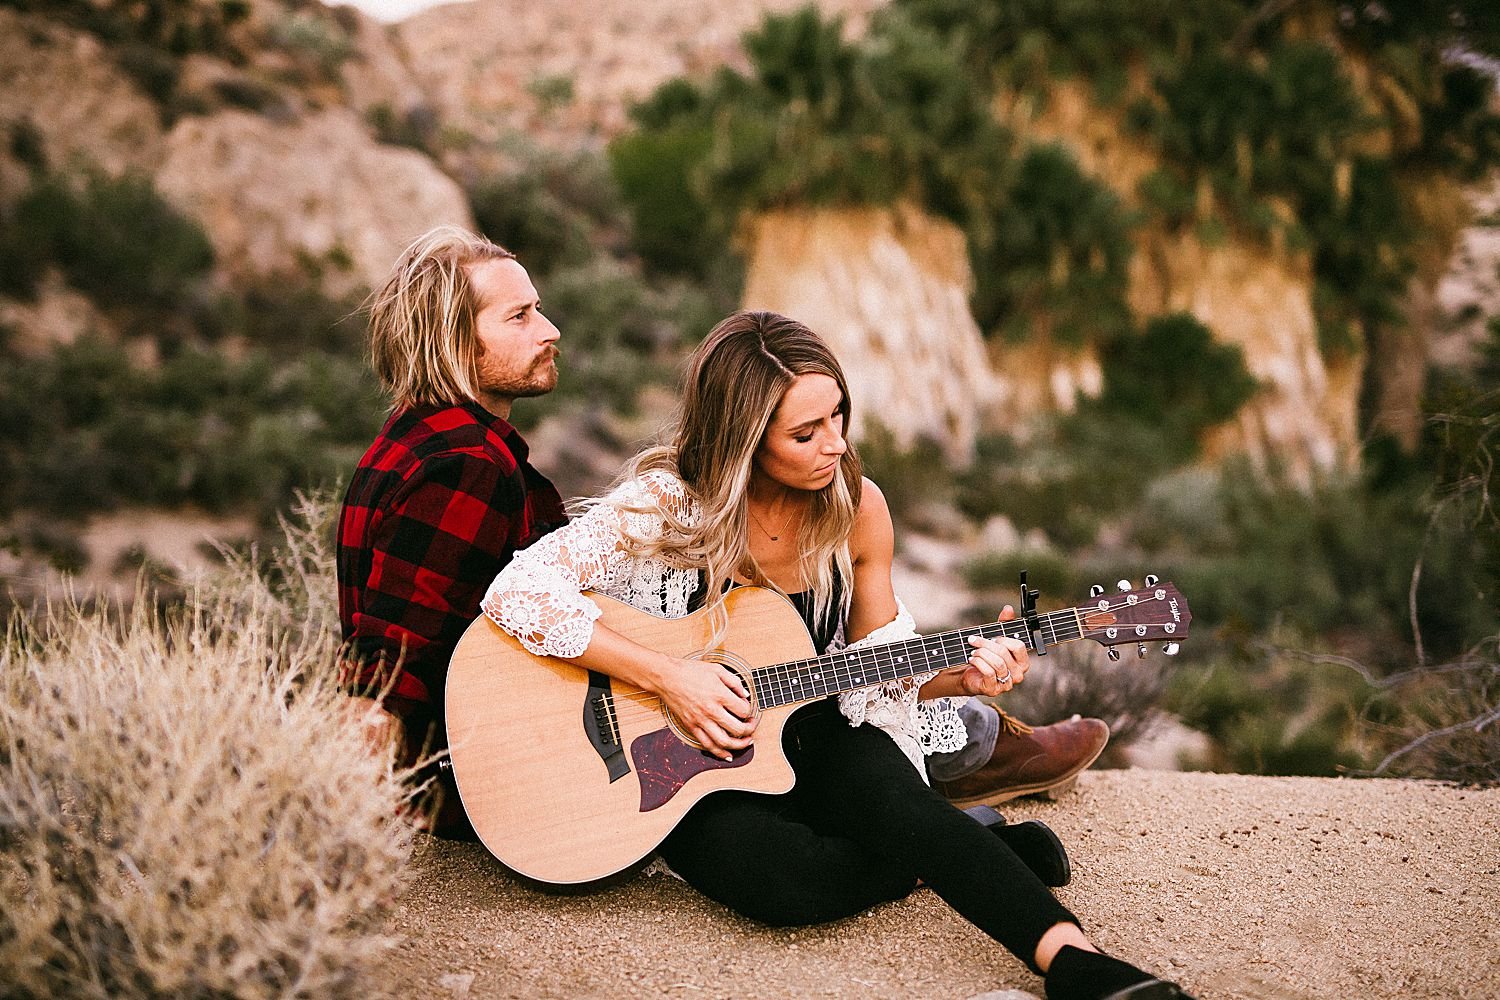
(1235,886)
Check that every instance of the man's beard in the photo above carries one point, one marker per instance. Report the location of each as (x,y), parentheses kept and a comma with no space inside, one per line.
(538,380)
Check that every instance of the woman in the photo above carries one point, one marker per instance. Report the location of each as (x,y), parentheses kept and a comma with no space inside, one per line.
(759,485)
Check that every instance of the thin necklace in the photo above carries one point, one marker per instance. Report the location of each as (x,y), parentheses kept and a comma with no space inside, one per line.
(761,525)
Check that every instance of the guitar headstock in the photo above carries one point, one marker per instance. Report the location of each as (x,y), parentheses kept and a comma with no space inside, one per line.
(1157,611)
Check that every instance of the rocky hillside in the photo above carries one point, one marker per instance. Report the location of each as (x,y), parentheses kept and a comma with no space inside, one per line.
(274,144)
(570,72)
(264,143)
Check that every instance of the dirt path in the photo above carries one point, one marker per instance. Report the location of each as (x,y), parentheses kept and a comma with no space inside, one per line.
(1238,887)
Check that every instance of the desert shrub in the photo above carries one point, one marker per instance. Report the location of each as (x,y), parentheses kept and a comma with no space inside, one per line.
(1176,377)
(27,145)
(1163,388)
(114,238)
(911,478)
(1446,722)
(1268,713)
(316,40)
(672,226)
(1064,579)
(1337,560)
(288,312)
(1055,251)
(415,127)
(817,120)
(161,830)
(248,93)
(550,209)
(87,429)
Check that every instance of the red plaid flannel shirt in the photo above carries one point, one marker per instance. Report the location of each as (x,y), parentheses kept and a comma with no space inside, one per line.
(438,505)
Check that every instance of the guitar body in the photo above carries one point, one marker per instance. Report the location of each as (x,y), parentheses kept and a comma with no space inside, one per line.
(569,777)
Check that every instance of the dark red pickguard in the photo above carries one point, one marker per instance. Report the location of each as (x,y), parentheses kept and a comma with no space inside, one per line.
(663,764)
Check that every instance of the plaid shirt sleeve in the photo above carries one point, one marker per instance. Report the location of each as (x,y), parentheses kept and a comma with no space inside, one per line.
(435,548)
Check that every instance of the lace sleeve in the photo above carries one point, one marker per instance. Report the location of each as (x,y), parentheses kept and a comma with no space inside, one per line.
(538,598)
(919,727)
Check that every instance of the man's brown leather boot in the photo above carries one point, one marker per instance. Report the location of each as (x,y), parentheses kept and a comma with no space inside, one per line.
(1028,761)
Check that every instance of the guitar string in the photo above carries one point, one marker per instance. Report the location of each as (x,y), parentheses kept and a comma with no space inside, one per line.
(775,679)
(778,676)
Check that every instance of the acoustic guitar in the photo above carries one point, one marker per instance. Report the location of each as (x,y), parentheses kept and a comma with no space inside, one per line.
(570,777)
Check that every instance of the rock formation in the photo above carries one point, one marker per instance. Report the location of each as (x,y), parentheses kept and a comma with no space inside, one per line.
(1305,417)
(889,289)
(319,191)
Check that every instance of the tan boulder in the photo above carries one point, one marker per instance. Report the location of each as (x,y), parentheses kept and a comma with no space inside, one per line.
(320,191)
(889,290)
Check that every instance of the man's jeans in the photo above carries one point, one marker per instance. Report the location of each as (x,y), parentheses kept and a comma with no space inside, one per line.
(983,726)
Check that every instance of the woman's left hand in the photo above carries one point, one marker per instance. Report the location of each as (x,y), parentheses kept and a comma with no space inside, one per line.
(996,665)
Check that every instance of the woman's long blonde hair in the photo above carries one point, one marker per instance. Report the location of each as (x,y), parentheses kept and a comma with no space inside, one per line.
(424,342)
(735,381)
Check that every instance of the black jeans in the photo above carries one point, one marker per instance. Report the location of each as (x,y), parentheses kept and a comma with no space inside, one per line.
(860,827)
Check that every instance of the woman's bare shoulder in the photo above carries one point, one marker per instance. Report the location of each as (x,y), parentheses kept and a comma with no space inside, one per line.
(873,533)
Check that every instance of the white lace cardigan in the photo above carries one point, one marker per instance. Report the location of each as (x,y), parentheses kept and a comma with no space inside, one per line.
(538,599)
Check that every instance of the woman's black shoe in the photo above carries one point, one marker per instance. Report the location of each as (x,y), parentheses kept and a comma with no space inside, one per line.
(1034,843)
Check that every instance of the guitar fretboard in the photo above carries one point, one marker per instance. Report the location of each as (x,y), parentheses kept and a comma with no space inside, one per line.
(833,673)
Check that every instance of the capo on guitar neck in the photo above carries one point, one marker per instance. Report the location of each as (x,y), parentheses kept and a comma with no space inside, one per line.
(1029,616)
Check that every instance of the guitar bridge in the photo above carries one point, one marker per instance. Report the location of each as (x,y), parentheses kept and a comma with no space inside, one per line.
(602,726)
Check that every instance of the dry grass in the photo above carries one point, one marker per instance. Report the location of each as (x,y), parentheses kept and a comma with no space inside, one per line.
(182,811)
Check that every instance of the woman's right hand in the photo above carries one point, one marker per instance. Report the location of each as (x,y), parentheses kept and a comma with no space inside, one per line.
(710,703)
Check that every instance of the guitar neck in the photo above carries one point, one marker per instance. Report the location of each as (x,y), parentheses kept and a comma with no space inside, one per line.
(834,673)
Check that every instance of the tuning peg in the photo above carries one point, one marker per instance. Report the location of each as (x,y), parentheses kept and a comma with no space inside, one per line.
(1140,648)
(1122,586)
(1152,580)
(1113,654)
(1097,590)
(1171,648)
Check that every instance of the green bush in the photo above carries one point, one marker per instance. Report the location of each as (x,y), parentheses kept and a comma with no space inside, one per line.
(416,127)
(908,478)
(1267,715)
(1336,561)
(817,121)
(114,238)
(87,430)
(550,209)
(672,226)
(1080,471)
(316,40)
(1057,252)
(1175,377)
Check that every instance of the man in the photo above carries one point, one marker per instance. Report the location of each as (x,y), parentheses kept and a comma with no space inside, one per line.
(445,496)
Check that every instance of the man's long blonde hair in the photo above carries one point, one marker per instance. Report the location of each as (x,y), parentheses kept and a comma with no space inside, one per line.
(735,381)
(423,339)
